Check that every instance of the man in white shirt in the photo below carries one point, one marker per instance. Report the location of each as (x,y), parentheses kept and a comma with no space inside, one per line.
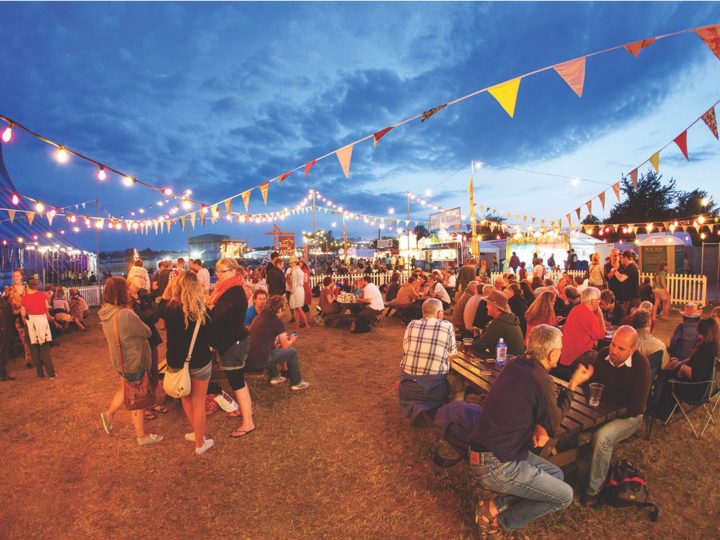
(203,274)
(371,296)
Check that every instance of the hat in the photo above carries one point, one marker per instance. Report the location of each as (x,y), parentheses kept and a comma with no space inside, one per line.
(691,310)
(499,300)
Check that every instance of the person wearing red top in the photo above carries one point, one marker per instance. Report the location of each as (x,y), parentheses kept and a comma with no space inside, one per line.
(34,310)
(584,327)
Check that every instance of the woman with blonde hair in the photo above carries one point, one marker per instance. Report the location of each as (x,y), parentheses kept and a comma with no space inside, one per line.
(541,311)
(296,287)
(595,272)
(61,310)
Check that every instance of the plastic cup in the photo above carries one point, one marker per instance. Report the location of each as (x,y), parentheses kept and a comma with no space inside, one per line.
(596,390)
(467,344)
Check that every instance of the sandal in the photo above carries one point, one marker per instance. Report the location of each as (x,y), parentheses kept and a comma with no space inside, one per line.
(235,414)
(486,522)
(149,415)
(160,408)
(240,433)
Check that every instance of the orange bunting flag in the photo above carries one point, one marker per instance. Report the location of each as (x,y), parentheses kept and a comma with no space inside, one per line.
(589,206)
(633,177)
(616,189)
(284,176)
(379,135)
(214,213)
(681,141)
(264,187)
(246,198)
(169,224)
(573,73)
(635,47)
(344,156)
(577,211)
(506,95)
(711,121)
(202,216)
(11,215)
(569,220)
(228,206)
(711,36)
(602,199)
(182,223)
(30,217)
(309,166)
(655,161)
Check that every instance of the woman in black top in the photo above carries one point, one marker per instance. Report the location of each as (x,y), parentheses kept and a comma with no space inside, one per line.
(146,308)
(182,309)
(699,367)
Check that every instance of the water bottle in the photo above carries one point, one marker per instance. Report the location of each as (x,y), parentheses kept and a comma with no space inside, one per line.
(500,353)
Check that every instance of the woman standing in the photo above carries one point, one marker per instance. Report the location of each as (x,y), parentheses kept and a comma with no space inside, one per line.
(595,272)
(34,310)
(662,295)
(16,295)
(296,286)
(307,289)
(228,305)
(127,339)
(182,313)
(482,272)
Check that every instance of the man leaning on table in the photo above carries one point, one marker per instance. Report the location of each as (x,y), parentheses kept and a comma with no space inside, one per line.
(520,408)
(625,374)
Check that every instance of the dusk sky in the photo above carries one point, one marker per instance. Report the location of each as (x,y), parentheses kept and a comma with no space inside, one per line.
(218,98)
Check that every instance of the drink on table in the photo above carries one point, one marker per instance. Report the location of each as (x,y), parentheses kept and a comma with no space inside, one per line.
(500,353)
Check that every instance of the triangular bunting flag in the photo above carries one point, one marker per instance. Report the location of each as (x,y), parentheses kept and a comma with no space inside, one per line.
(589,206)
(431,112)
(602,199)
(309,166)
(569,220)
(344,156)
(182,223)
(711,36)
(577,211)
(573,73)
(681,141)
(202,217)
(284,176)
(155,225)
(30,217)
(655,161)
(246,198)
(214,213)
(711,121)
(50,216)
(264,187)
(379,135)
(506,95)
(11,215)
(616,189)
(228,206)
(128,225)
(633,177)
(635,47)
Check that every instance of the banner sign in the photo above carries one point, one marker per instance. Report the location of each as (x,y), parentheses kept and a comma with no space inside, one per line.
(286,244)
(385,243)
(446,220)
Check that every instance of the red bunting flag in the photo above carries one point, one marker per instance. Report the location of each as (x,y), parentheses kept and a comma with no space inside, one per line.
(309,166)
(202,215)
(602,199)
(284,176)
(633,177)
(616,189)
(711,121)
(264,191)
(573,73)
(577,211)
(681,141)
(569,220)
(711,36)
(635,47)
(589,206)
(379,135)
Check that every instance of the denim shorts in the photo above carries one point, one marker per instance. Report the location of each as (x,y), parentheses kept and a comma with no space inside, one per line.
(201,374)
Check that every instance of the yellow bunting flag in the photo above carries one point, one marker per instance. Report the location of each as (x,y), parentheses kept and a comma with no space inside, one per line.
(506,95)
(573,73)
(616,189)
(11,215)
(228,206)
(182,223)
(192,220)
(655,161)
(602,199)
(50,216)
(213,213)
(202,216)
(344,156)
(246,198)
(264,187)
(30,217)
(169,224)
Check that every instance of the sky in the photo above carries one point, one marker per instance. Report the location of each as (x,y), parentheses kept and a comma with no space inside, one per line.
(219,97)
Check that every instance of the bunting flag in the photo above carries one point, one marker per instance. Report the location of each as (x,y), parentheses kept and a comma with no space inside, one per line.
(202,217)
(192,219)
(655,161)
(344,156)
(213,213)
(264,187)
(11,215)
(155,225)
(182,223)
(379,135)
(589,206)
(616,189)
(228,206)
(431,112)
(602,199)
(633,177)
(308,166)
(284,176)
(711,36)
(50,216)
(577,211)
(711,121)
(635,47)
(681,141)
(30,217)
(506,94)
(573,73)
(569,220)
(169,224)
(246,197)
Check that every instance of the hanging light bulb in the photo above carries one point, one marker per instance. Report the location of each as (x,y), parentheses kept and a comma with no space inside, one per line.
(187,205)
(128,181)
(141,210)
(102,175)
(61,155)
(73,219)
(15,199)
(7,134)
(39,208)
(167,191)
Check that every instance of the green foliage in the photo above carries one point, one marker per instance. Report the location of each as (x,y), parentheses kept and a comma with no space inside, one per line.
(591,219)
(421,231)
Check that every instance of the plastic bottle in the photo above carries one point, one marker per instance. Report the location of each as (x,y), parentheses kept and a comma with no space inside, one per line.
(500,353)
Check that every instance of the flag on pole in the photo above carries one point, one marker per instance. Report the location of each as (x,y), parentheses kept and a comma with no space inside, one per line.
(474,245)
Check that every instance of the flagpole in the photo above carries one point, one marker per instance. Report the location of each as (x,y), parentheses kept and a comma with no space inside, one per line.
(314,222)
(407,255)
(97,242)
(474,251)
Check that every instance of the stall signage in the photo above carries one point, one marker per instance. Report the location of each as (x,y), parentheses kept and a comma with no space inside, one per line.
(446,219)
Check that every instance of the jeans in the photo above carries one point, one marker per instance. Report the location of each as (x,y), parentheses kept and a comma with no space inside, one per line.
(530,488)
(289,355)
(603,442)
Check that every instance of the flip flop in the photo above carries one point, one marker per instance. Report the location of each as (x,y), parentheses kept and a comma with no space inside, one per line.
(241,433)
(160,408)
(235,414)
(149,415)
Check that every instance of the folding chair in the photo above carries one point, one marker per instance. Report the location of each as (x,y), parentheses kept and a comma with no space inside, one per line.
(709,399)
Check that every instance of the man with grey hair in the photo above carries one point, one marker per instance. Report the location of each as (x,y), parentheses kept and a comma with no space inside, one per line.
(584,326)
(427,345)
(522,408)
(647,343)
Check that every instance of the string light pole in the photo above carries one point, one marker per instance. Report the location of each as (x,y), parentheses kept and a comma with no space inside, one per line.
(314,208)
(407,224)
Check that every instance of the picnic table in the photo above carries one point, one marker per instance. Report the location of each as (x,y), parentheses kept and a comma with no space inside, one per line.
(580,421)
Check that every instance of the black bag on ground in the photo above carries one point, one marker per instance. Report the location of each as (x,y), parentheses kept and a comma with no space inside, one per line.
(454,422)
(626,486)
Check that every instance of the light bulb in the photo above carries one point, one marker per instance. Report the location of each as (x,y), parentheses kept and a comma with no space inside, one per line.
(167,192)
(128,181)
(61,155)
(7,134)
(187,205)
(39,208)
(73,219)
(15,199)
(141,210)
(20,240)
(76,229)
(102,175)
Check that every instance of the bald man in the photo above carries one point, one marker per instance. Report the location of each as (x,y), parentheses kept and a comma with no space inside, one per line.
(625,372)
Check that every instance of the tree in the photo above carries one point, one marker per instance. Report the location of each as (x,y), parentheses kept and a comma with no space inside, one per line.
(591,219)
(650,201)
(690,203)
(420,231)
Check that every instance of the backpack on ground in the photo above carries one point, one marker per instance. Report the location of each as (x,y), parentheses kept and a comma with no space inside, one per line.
(626,486)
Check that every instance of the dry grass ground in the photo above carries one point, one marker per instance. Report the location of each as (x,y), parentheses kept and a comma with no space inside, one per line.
(336,461)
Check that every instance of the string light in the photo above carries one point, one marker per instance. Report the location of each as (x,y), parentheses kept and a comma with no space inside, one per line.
(39,208)
(128,181)
(102,175)
(7,134)
(15,199)
(61,155)
(167,192)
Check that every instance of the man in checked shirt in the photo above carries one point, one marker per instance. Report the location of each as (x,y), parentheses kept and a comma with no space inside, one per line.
(425,365)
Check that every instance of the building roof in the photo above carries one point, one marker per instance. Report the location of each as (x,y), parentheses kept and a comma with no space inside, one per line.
(208,238)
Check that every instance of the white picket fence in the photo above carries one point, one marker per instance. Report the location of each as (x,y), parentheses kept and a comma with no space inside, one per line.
(92,294)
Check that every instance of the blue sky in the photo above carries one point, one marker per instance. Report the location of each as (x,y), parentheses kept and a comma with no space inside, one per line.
(220,97)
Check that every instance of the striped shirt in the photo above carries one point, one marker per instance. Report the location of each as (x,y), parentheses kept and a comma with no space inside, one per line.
(427,344)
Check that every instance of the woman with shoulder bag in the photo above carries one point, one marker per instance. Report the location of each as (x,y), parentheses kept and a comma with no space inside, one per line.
(186,321)
(127,338)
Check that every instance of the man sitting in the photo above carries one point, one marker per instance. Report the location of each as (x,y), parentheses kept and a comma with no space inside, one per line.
(520,408)
(572,299)
(612,310)
(437,290)
(259,298)
(266,330)
(504,325)
(584,326)
(425,364)
(685,336)
(647,343)
(625,373)
(371,296)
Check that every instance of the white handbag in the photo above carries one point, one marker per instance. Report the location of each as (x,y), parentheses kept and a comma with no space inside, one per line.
(177,383)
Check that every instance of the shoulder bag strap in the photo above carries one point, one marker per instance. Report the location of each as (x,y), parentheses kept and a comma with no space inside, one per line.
(117,342)
(192,342)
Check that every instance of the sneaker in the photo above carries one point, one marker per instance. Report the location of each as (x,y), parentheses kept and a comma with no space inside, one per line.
(302,386)
(51,378)
(278,380)
(151,438)
(106,424)
(207,445)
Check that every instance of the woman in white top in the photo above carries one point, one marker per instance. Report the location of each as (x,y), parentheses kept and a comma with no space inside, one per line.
(296,287)
(595,272)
